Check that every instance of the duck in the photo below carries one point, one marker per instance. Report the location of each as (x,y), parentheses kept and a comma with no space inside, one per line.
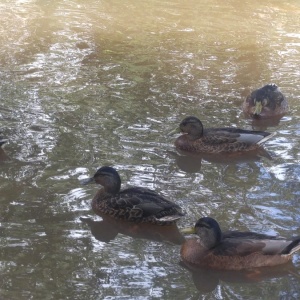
(266,102)
(234,250)
(196,139)
(134,204)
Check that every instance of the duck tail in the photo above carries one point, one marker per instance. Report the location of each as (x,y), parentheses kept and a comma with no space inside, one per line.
(293,247)
(266,138)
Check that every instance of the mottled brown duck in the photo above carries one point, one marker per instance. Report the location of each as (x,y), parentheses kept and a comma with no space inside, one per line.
(196,139)
(234,250)
(134,204)
(266,102)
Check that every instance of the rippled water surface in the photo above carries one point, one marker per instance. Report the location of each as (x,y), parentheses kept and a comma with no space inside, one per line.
(91,83)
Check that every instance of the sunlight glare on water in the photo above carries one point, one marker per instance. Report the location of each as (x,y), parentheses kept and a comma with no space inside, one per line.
(92,83)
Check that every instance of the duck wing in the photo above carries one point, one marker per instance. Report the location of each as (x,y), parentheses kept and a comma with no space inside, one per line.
(234,135)
(246,243)
(147,202)
(249,235)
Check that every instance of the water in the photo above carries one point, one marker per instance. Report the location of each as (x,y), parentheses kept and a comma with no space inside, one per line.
(91,83)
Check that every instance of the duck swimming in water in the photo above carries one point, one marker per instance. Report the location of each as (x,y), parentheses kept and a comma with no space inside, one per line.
(196,139)
(135,204)
(266,102)
(234,250)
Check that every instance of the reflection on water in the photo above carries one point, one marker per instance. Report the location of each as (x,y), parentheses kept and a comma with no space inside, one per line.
(206,281)
(85,84)
(263,124)
(191,162)
(107,230)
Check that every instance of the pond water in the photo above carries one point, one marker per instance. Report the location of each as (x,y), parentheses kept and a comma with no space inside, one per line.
(90,83)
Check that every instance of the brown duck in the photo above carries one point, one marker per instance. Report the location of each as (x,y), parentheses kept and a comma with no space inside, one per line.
(266,102)
(135,204)
(235,250)
(217,140)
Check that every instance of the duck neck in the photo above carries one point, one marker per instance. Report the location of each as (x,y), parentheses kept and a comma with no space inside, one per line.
(112,186)
(194,136)
(210,237)
(195,133)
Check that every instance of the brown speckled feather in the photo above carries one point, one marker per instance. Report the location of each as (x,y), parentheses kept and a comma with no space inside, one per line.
(235,250)
(135,204)
(217,140)
(194,254)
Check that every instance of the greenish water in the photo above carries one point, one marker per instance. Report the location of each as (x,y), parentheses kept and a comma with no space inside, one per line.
(91,83)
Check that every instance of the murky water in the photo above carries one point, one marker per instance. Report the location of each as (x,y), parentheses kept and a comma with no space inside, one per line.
(90,83)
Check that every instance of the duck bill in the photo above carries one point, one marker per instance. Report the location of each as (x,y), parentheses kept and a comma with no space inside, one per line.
(257,108)
(188,230)
(174,131)
(87,181)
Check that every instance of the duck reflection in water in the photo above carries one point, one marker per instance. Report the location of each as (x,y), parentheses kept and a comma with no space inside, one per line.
(191,162)
(108,228)
(263,124)
(207,280)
